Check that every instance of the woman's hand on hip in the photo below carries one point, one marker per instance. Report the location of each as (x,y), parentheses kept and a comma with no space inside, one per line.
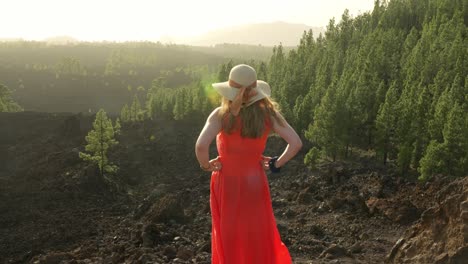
(215,165)
(265,161)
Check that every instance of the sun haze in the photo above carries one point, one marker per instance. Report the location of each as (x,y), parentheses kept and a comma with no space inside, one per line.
(122,20)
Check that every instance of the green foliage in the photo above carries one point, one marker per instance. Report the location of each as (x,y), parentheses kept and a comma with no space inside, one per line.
(456,141)
(75,75)
(434,160)
(100,140)
(136,112)
(389,80)
(384,80)
(69,66)
(6,102)
(404,158)
(117,127)
(193,101)
(325,127)
(436,123)
(386,122)
(224,69)
(125,114)
(312,157)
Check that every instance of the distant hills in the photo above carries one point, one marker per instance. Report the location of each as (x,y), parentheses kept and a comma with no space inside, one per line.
(262,34)
(61,40)
(10,39)
(265,34)
(57,40)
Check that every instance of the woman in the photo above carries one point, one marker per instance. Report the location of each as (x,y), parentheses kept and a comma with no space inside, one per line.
(243,225)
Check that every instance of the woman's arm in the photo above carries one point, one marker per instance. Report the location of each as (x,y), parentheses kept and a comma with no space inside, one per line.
(207,135)
(290,136)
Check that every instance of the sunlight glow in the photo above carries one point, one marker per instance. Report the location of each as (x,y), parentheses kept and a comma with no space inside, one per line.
(121,20)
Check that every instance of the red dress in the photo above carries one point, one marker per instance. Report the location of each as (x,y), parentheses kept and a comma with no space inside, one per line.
(243,225)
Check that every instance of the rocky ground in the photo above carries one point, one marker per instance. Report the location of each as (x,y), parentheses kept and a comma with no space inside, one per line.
(55,209)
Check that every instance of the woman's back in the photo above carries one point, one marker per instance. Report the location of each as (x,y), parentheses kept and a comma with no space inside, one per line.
(234,149)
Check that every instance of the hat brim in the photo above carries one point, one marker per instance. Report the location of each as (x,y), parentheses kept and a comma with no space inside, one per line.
(263,90)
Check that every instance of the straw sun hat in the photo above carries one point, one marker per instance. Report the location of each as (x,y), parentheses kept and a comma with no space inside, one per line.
(243,75)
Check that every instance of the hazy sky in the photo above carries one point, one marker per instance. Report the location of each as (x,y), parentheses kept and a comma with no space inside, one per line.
(121,20)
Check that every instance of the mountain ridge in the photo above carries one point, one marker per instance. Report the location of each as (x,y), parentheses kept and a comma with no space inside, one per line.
(264,34)
(267,34)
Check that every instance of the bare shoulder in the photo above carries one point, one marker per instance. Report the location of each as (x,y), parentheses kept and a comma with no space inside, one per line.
(216,111)
(284,130)
(215,115)
(280,115)
(280,118)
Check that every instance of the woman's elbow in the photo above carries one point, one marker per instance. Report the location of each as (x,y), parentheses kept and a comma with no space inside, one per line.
(297,145)
(200,148)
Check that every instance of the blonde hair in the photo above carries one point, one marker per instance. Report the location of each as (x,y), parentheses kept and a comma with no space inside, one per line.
(254,118)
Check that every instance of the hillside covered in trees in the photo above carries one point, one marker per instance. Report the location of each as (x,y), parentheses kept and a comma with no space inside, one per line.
(84,77)
(392,81)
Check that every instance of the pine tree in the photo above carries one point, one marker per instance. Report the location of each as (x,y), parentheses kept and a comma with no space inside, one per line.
(312,157)
(135,110)
(262,72)
(386,122)
(456,141)
(179,107)
(420,120)
(6,102)
(125,114)
(433,161)
(439,116)
(276,70)
(325,129)
(451,156)
(117,127)
(224,70)
(100,140)
(405,136)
